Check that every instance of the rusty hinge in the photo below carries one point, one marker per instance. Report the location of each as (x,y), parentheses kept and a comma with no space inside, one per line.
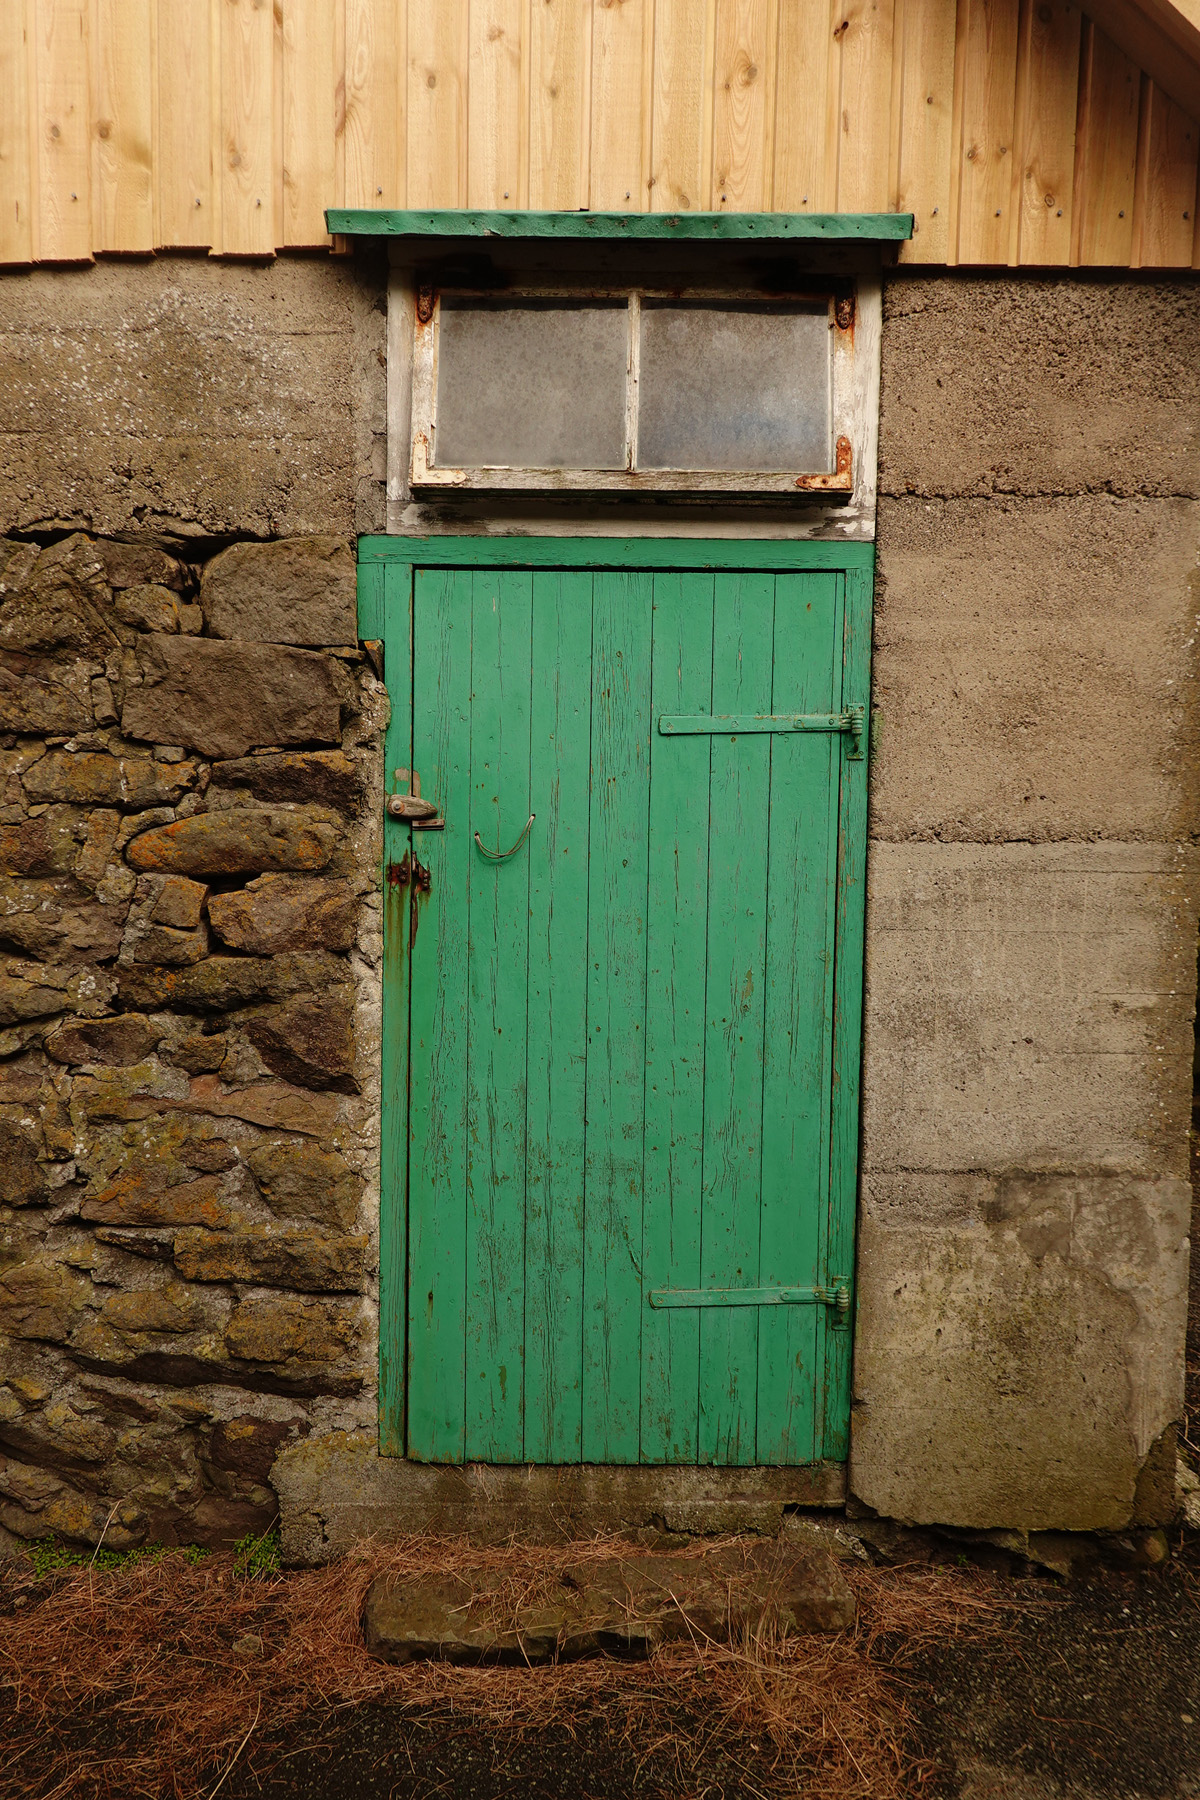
(424,305)
(843,311)
(851,721)
(836,1297)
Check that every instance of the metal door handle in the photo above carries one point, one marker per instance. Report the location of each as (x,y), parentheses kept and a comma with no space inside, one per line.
(503,855)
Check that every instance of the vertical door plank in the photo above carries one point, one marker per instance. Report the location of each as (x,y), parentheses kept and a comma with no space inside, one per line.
(676,948)
(375,104)
(439,955)
(803,179)
(62,130)
(801,890)
(989,118)
(438,55)
(385,610)
(498,105)
(925,46)
(622,47)
(557,1040)
(857,591)
(183,136)
(733,1051)
(742,116)
(246,170)
(1165,197)
(613,1300)
(560,61)
(497,1002)
(864,35)
(309,81)
(1047,104)
(681,152)
(122,123)
(16,174)
(1106,153)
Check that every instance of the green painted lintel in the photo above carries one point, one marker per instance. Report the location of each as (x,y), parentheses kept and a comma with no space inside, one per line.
(703,227)
(617,552)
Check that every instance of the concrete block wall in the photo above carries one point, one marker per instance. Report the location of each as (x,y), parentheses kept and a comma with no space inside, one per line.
(193,399)
(1031,941)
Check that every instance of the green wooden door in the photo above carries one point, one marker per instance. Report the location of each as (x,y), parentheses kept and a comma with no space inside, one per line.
(628,1160)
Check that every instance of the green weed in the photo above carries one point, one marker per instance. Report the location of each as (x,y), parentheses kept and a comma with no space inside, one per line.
(258,1555)
(49,1557)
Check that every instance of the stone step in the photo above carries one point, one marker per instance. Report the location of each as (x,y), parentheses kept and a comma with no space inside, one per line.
(625,1605)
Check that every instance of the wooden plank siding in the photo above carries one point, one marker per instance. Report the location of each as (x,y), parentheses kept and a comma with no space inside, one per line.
(17,157)
(181,174)
(1016,131)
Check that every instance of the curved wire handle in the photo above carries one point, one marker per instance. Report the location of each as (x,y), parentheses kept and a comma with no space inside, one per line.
(503,855)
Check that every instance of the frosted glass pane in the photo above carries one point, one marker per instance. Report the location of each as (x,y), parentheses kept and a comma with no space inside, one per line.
(734,387)
(531,385)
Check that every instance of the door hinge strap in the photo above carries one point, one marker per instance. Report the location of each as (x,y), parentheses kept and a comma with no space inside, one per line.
(850,721)
(836,1296)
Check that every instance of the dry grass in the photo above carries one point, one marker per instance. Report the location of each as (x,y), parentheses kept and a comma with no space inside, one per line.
(127,1682)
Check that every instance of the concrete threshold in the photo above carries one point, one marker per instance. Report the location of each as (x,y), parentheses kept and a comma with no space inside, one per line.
(336,1491)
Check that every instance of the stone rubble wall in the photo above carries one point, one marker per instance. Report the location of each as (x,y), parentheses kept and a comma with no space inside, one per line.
(189,962)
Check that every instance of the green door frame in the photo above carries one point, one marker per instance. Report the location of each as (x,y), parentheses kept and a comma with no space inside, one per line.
(385,613)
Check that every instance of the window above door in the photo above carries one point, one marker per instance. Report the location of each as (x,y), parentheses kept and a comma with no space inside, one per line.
(633,390)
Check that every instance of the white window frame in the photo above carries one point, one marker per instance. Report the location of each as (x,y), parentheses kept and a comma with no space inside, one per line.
(427,479)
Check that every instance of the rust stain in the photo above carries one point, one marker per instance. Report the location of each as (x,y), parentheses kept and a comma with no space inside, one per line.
(396,879)
(842,479)
(422,884)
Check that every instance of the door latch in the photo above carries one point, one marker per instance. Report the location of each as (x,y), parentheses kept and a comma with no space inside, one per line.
(421,814)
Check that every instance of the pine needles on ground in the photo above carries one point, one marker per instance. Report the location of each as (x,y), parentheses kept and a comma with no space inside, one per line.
(153,1677)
